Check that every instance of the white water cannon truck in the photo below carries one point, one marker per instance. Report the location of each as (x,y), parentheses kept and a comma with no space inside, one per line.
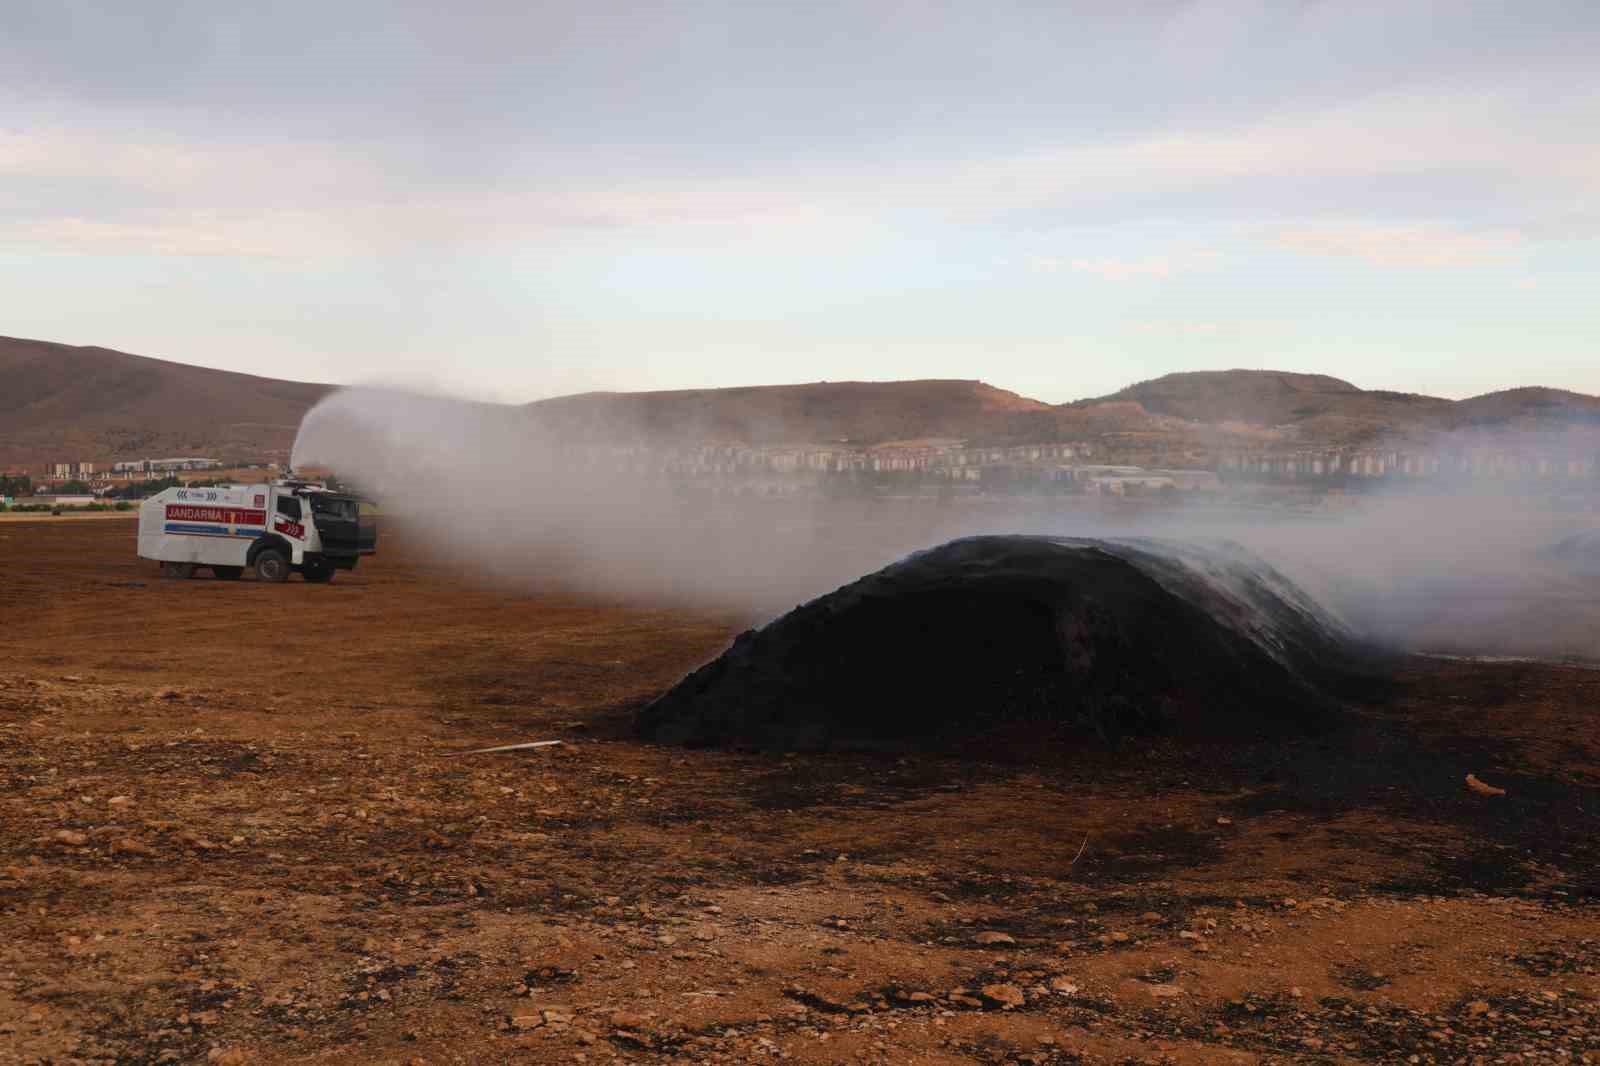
(277,529)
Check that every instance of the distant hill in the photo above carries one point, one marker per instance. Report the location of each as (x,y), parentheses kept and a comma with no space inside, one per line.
(1321,407)
(1327,409)
(60,402)
(862,411)
(65,403)
(1531,407)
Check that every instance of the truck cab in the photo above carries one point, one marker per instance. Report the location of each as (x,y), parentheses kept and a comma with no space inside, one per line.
(277,529)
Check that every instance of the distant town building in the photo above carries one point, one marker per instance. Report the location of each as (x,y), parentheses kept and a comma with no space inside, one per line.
(165,466)
(1507,464)
(69,470)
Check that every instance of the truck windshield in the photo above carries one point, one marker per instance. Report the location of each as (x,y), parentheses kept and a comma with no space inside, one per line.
(336,507)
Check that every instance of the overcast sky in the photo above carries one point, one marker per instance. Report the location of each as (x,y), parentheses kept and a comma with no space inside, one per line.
(513,200)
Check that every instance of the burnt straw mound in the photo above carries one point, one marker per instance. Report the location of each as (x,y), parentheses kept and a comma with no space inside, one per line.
(1031,639)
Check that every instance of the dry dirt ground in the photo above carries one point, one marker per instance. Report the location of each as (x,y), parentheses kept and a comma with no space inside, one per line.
(231,831)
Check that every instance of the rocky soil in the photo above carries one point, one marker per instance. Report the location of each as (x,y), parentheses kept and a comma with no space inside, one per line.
(233,829)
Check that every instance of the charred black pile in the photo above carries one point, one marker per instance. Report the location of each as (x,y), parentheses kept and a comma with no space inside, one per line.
(1025,636)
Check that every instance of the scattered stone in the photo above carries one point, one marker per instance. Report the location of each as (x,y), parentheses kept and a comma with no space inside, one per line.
(130,846)
(989,938)
(822,1001)
(70,838)
(1006,997)
(549,975)
(1482,788)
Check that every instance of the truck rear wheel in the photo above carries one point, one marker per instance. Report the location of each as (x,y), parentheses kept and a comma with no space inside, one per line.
(228,573)
(177,571)
(272,565)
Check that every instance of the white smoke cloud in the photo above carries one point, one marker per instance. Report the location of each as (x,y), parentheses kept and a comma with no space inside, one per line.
(488,491)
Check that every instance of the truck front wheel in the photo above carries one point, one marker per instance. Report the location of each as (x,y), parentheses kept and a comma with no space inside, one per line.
(319,571)
(272,565)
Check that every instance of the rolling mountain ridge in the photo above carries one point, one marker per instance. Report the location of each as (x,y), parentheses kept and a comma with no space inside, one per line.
(63,403)
(59,403)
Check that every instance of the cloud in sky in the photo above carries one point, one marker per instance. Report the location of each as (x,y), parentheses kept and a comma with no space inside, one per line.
(1181,329)
(1117,269)
(1122,270)
(1404,246)
(482,123)
(1109,269)
(702,151)
(1387,157)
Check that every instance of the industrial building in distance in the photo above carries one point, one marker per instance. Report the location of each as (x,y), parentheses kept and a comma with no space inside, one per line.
(165,466)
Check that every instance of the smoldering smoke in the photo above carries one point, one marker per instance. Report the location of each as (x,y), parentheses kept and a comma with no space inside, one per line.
(489,491)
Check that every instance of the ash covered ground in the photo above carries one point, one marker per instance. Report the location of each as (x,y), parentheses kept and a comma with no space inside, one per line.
(224,839)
